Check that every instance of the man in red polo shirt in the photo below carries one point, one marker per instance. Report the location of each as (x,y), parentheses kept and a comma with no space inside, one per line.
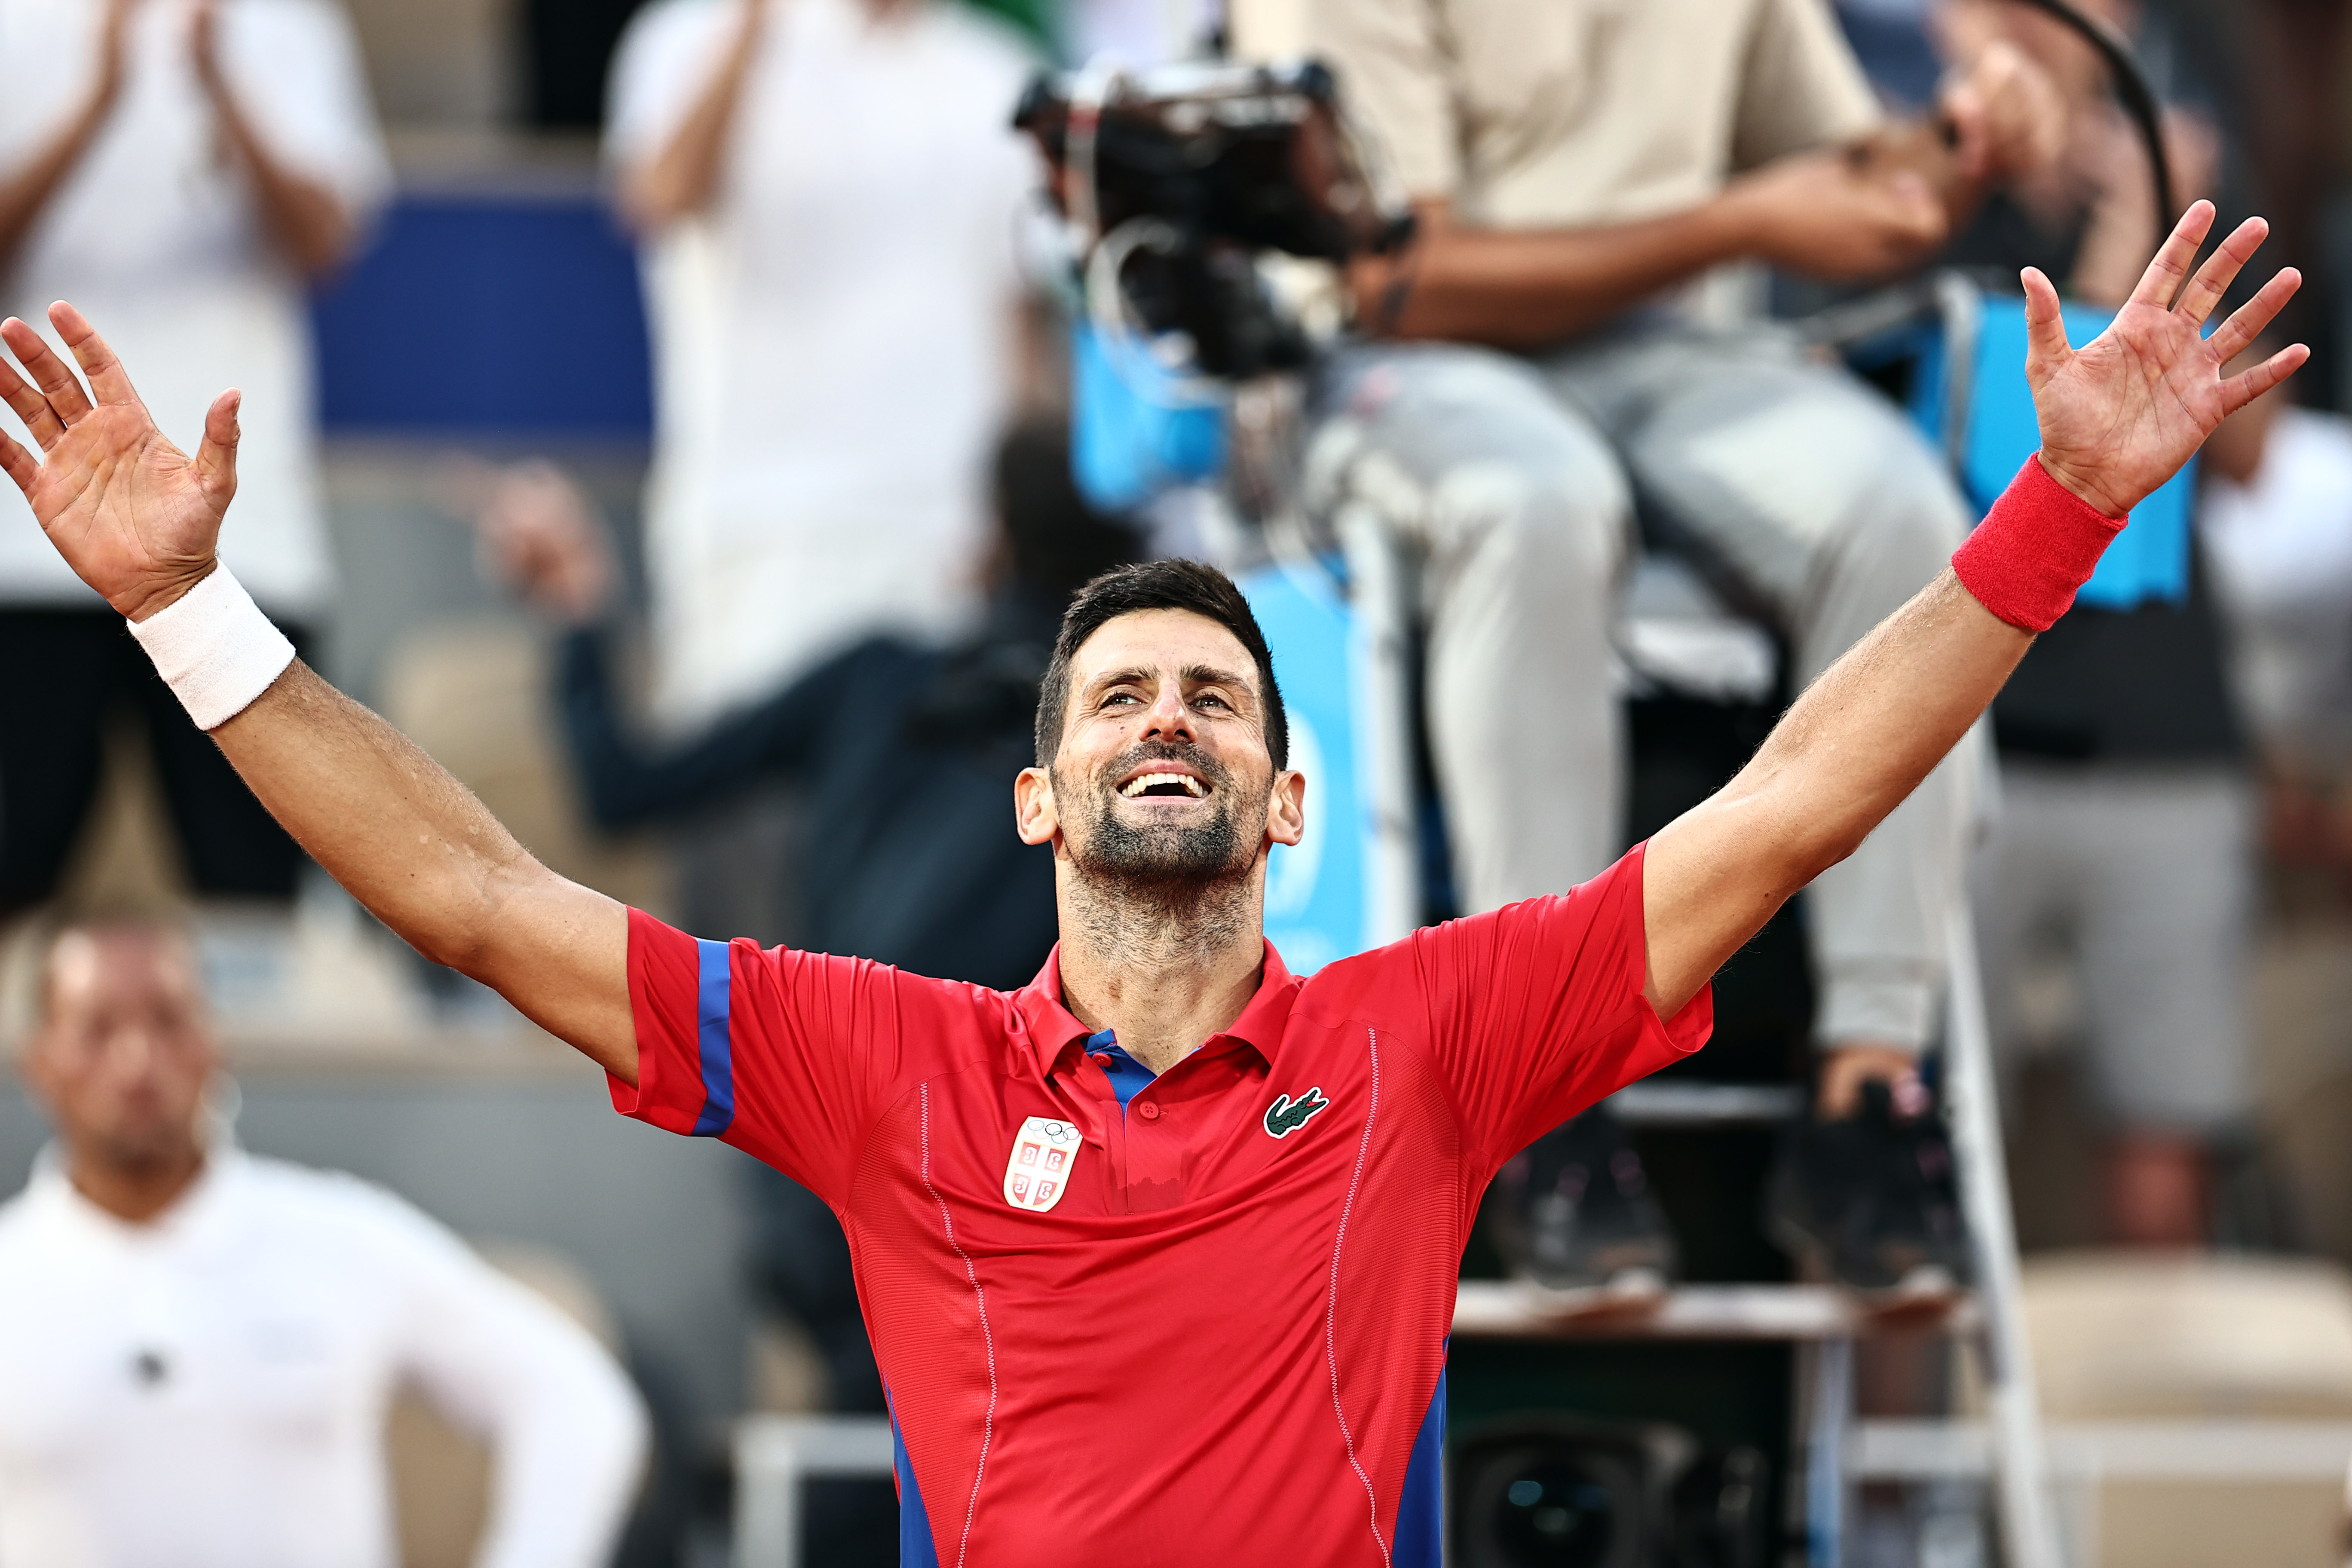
(1159,1252)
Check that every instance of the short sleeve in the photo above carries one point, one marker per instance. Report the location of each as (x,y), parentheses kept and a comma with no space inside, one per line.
(791,1057)
(1799,87)
(664,59)
(1395,78)
(296,68)
(1537,1011)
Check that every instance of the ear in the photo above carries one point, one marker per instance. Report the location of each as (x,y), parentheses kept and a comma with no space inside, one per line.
(1034,815)
(34,1067)
(1285,808)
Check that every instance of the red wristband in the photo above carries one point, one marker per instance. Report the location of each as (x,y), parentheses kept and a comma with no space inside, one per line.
(2039,543)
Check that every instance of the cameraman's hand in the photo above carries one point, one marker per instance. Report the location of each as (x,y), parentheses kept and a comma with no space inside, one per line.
(1826,215)
(2008,112)
(539,539)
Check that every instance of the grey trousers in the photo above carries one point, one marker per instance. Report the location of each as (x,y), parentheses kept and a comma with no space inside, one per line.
(2140,878)
(1514,480)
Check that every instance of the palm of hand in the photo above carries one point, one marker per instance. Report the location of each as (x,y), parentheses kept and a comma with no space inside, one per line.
(126,507)
(2132,405)
(2122,414)
(134,515)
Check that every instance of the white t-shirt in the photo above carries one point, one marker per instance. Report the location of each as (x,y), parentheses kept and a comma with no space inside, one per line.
(831,338)
(2281,549)
(156,235)
(210,1390)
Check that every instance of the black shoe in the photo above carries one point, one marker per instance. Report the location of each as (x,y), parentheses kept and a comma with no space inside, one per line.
(1576,1212)
(1872,1196)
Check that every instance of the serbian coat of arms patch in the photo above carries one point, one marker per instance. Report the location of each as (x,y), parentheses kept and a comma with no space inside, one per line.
(1044,1152)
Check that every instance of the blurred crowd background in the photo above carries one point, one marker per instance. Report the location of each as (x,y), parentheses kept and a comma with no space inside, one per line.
(660,412)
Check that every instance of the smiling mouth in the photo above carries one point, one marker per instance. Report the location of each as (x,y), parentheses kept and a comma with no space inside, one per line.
(1164,786)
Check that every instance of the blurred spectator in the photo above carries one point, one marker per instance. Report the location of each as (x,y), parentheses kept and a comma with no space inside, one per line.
(182,169)
(906,748)
(830,192)
(1576,169)
(2123,835)
(199,1348)
(2277,525)
(906,752)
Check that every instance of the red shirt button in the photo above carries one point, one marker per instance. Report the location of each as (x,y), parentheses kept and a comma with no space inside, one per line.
(1148,1110)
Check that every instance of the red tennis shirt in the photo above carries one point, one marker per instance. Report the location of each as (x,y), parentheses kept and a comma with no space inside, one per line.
(1209,1330)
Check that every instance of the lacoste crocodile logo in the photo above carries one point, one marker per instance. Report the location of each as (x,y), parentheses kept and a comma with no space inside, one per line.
(1286,1116)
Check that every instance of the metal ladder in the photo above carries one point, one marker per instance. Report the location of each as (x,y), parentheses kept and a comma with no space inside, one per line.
(1829,1321)
(1992,1313)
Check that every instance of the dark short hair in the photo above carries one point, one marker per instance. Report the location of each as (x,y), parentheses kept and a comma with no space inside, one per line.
(1157,586)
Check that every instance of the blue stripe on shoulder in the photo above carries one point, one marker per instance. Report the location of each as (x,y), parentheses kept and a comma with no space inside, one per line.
(1421,1511)
(711,1034)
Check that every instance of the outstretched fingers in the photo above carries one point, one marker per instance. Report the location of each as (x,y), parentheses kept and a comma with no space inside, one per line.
(2247,321)
(40,420)
(19,464)
(107,379)
(59,386)
(2247,385)
(2221,270)
(2046,348)
(2162,280)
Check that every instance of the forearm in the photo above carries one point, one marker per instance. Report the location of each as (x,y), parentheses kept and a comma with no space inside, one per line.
(626,786)
(413,844)
(571,1442)
(680,179)
(1525,289)
(304,217)
(26,193)
(1871,728)
(1846,754)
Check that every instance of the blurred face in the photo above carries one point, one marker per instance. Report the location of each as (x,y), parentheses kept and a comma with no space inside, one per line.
(1163,777)
(123,1053)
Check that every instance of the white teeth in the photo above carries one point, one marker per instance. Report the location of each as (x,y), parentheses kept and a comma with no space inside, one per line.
(1136,786)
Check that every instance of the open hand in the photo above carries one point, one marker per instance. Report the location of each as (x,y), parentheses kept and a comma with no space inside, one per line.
(2121,414)
(133,515)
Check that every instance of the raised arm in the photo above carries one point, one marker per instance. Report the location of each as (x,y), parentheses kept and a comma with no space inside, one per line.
(2119,417)
(310,222)
(138,520)
(27,190)
(681,177)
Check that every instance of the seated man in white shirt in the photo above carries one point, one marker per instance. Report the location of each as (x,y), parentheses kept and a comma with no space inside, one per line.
(198,1347)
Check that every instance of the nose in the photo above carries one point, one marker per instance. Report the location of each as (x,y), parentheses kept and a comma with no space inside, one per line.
(1168,718)
(131,1052)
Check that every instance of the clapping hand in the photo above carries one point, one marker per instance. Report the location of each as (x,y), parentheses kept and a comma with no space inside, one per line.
(136,518)
(539,535)
(2121,414)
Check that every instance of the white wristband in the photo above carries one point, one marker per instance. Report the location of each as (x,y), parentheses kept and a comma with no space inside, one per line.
(215,648)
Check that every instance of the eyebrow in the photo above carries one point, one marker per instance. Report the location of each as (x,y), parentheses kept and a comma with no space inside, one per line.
(1209,675)
(1192,675)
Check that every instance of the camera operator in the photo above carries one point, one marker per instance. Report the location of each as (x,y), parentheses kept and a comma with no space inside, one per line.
(1548,370)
